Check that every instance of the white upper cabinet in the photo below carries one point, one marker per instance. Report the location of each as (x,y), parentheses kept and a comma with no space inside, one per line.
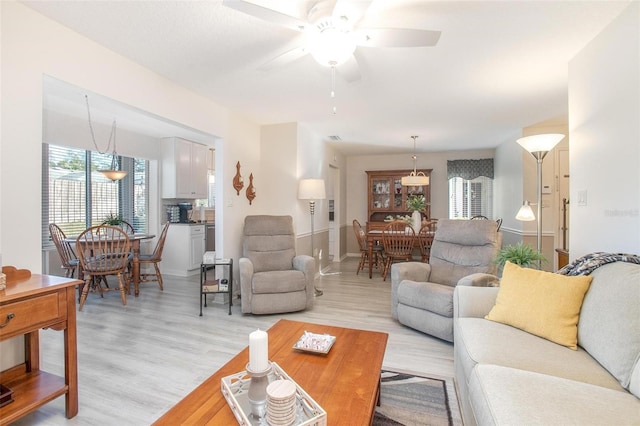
(184,169)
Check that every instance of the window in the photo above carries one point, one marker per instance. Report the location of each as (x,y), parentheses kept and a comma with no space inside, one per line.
(470,188)
(75,195)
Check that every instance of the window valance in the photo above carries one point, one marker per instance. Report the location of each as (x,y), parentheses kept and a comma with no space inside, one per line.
(470,169)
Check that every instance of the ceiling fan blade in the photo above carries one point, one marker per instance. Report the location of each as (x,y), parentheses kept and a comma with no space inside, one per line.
(350,70)
(396,37)
(266,14)
(283,59)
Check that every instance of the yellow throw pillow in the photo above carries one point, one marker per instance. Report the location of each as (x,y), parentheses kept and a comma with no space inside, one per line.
(541,303)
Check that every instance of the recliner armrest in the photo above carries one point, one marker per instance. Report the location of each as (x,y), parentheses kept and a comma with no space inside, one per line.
(474,302)
(413,271)
(307,265)
(479,280)
(245,267)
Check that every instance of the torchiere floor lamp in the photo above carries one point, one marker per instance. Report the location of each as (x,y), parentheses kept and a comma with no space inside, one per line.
(312,190)
(538,146)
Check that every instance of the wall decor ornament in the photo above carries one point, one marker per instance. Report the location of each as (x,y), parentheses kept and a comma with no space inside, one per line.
(238,182)
(251,190)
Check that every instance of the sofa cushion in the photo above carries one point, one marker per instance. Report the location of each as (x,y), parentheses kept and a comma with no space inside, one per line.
(427,296)
(541,303)
(278,282)
(479,341)
(507,396)
(610,320)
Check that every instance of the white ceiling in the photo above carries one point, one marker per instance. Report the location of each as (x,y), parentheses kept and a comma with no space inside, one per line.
(499,66)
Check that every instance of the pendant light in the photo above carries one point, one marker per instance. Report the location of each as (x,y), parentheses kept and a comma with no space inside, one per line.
(112,173)
(415,178)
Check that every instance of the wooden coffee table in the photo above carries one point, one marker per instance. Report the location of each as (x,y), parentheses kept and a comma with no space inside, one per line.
(345,382)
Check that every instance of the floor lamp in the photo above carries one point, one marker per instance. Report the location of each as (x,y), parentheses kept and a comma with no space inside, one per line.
(312,190)
(538,146)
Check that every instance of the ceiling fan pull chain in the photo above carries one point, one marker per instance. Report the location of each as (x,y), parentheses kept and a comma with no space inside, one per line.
(333,84)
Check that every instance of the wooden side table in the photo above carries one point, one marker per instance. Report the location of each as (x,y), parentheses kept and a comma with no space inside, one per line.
(26,306)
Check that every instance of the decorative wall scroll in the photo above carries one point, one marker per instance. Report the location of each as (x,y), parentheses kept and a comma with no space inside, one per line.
(251,190)
(238,182)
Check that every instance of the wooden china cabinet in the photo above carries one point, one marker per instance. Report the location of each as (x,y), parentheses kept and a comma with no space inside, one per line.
(387,196)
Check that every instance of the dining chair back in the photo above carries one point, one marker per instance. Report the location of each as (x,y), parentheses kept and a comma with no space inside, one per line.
(425,239)
(154,258)
(377,251)
(398,238)
(124,225)
(68,259)
(103,250)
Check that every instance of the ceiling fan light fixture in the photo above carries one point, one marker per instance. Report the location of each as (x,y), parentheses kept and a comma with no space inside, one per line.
(331,46)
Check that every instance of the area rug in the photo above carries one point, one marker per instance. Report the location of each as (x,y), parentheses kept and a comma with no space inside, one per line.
(408,399)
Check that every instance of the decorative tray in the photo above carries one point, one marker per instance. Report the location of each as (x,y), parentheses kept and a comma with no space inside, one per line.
(316,343)
(235,389)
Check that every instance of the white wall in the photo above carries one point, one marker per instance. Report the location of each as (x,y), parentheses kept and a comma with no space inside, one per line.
(604,124)
(508,188)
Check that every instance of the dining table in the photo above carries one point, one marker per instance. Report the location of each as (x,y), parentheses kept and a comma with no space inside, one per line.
(374,237)
(135,240)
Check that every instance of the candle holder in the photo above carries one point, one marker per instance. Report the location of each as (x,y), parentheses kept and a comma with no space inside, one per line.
(258,390)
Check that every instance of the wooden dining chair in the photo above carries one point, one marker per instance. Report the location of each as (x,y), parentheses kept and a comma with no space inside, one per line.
(103,250)
(398,238)
(68,259)
(377,252)
(154,258)
(425,239)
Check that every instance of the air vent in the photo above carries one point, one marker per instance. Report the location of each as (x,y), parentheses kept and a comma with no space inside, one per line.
(335,138)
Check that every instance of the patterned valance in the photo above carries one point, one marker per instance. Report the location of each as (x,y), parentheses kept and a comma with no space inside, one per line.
(470,169)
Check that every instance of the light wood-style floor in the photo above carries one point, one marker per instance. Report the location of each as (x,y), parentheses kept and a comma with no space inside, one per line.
(138,360)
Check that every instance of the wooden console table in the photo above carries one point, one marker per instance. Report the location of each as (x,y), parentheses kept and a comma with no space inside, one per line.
(26,306)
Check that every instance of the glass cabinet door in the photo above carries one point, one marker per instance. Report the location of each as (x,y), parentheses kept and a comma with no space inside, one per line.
(381,196)
(397,194)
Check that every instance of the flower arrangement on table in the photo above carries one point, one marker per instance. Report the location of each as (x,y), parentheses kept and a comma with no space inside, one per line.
(416,202)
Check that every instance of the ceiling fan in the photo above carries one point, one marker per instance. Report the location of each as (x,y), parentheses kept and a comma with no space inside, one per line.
(330,33)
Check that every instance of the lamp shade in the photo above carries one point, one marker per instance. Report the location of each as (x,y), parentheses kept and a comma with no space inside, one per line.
(311,189)
(540,143)
(418,179)
(525,213)
(113,174)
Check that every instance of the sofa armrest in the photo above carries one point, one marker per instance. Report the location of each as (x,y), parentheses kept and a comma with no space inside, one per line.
(475,302)
(414,271)
(307,265)
(245,267)
(479,280)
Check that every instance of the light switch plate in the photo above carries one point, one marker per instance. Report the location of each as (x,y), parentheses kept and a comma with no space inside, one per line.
(582,197)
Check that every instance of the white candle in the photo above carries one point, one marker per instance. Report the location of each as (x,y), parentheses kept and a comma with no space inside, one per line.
(258,350)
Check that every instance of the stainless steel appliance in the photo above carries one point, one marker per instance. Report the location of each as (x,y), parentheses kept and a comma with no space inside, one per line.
(210,237)
(185,212)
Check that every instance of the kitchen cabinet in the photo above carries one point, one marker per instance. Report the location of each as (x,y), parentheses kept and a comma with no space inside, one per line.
(184,169)
(183,249)
(387,197)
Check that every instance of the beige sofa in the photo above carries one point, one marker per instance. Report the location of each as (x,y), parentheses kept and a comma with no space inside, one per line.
(506,376)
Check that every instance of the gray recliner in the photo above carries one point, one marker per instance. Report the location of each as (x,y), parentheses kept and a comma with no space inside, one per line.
(272,278)
(463,253)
